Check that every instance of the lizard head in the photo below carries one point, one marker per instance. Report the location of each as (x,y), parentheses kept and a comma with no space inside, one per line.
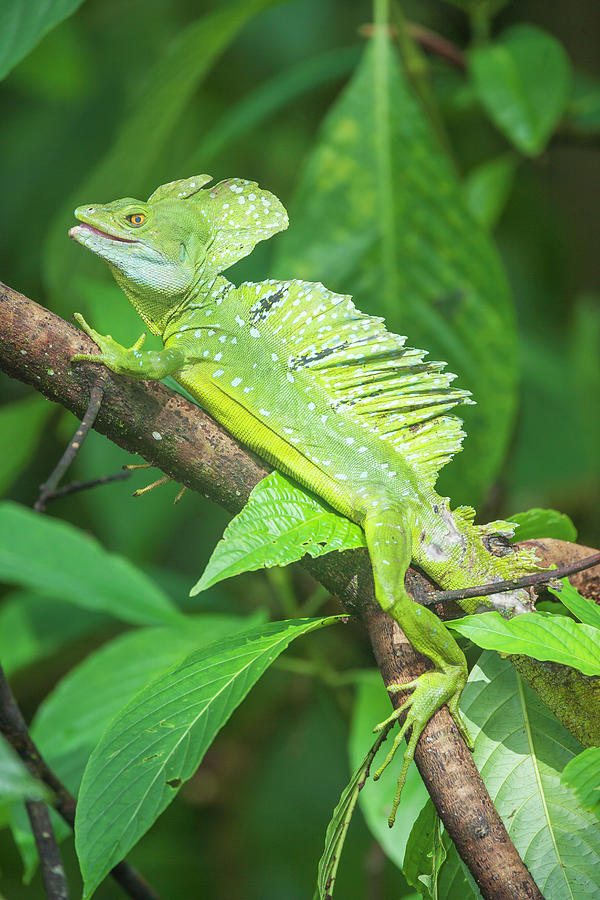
(176,243)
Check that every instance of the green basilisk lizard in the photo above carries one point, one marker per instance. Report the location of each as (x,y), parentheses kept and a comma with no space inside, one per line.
(317,388)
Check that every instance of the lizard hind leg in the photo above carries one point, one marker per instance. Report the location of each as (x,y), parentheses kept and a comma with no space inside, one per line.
(388,532)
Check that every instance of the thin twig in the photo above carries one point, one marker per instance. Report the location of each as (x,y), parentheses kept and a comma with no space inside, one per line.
(53,873)
(48,489)
(501,587)
(437,44)
(14,729)
(427,39)
(75,486)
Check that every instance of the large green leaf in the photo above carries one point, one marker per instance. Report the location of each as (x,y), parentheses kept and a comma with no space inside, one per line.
(128,163)
(72,718)
(158,740)
(582,775)
(23,24)
(541,635)
(542,523)
(520,750)
(378,213)
(372,705)
(279,525)
(21,426)
(55,558)
(337,829)
(523,80)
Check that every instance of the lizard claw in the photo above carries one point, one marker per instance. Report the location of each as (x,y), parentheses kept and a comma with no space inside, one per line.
(431,691)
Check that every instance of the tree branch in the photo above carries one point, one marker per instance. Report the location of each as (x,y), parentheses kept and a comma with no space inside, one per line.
(179,438)
(53,873)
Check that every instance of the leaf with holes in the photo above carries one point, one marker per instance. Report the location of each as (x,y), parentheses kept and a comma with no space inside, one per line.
(521,750)
(94,692)
(280,524)
(159,739)
(541,635)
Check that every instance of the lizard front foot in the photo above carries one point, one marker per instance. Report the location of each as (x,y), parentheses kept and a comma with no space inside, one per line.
(113,355)
(430,691)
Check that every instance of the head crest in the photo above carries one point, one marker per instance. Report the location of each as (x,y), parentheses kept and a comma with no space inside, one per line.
(237,214)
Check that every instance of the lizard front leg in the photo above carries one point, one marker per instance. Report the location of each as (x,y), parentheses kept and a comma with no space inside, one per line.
(388,535)
(132,361)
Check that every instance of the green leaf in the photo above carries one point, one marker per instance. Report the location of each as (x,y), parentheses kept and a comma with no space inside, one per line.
(129,162)
(372,705)
(22,25)
(487,188)
(337,829)
(378,213)
(542,523)
(55,558)
(425,853)
(21,426)
(92,693)
(582,775)
(72,718)
(15,781)
(521,750)
(159,739)
(279,525)
(586,610)
(538,634)
(523,81)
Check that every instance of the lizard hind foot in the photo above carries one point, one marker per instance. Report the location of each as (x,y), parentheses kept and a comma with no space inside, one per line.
(432,690)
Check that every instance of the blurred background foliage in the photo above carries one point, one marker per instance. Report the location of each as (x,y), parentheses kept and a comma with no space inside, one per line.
(127,94)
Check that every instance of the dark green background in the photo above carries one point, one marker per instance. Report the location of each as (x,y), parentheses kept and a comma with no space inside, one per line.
(251,823)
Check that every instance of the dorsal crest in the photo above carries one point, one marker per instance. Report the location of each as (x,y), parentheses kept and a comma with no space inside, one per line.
(368,372)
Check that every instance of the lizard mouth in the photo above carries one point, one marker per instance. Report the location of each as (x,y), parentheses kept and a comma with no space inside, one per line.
(84,229)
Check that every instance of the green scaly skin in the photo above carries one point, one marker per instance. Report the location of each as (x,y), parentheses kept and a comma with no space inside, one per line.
(319,390)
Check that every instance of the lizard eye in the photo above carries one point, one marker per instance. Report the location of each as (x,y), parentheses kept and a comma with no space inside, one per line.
(136,218)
